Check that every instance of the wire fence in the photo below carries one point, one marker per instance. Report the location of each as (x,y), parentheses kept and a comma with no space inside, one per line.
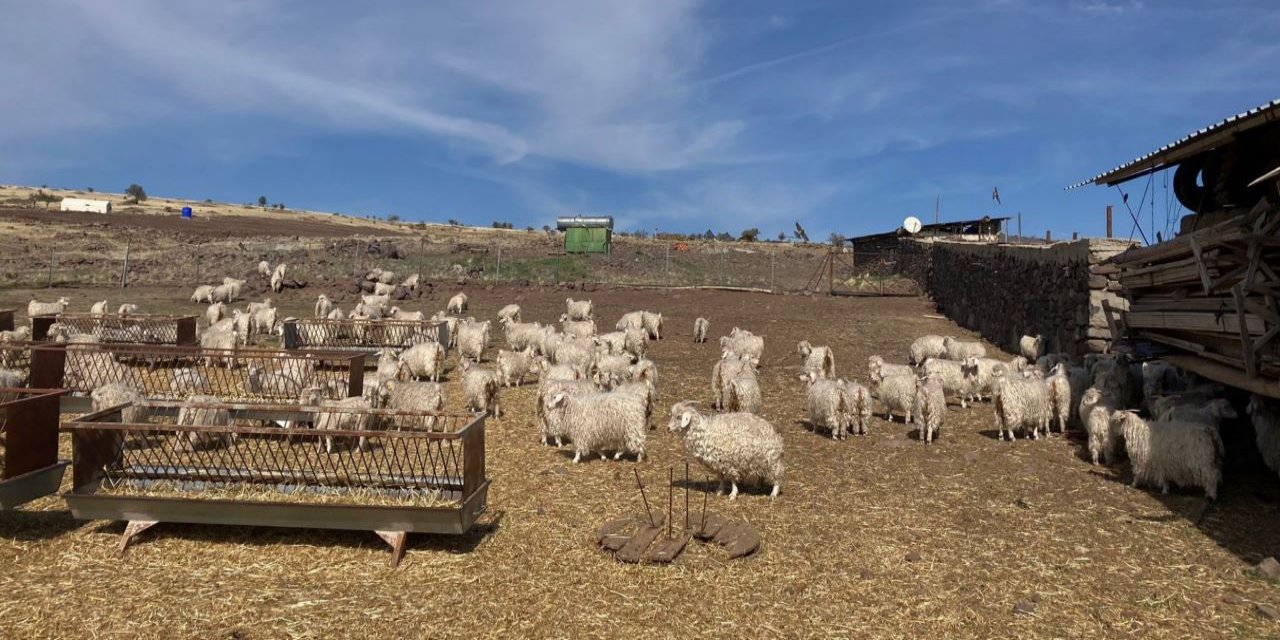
(537,258)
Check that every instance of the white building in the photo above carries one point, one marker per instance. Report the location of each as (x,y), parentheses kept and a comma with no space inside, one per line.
(85,205)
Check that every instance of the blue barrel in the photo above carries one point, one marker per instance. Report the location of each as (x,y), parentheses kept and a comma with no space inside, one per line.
(186,212)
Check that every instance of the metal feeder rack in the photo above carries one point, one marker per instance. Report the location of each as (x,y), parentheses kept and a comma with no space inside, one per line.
(361,334)
(170,372)
(16,357)
(141,328)
(29,445)
(396,472)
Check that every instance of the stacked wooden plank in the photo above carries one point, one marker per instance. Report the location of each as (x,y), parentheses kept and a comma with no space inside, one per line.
(1209,297)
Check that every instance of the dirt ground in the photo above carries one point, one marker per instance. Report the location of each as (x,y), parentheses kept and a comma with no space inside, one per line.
(880,536)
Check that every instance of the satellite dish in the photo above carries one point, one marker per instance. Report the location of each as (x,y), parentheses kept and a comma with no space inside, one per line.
(912,225)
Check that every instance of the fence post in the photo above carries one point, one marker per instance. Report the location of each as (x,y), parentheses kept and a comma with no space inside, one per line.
(667,265)
(773,260)
(51,258)
(498,275)
(831,272)
(124,273)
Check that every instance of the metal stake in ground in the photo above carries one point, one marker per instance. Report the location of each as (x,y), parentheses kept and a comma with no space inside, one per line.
(671,490)
(686,495)
(703,526)
(644,497)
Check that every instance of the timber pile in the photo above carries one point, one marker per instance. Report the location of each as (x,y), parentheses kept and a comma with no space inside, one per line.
(1209,297)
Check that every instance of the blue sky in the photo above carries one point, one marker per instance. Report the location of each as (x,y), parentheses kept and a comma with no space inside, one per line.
(677,114)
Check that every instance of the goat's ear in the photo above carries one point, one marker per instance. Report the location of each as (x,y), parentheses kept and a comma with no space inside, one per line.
(685,419)
(556,400)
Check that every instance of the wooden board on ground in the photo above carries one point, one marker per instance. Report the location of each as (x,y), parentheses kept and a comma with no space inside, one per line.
(739,539)
(706,529)
(634,550)
(665,551)
(633,539)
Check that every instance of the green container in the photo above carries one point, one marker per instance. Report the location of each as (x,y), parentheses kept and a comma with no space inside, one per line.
(587,240)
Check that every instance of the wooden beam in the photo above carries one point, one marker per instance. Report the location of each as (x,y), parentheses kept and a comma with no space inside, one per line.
(1226,375)
(1246,346)
(1112,324)
(1192,321)
(1204,273)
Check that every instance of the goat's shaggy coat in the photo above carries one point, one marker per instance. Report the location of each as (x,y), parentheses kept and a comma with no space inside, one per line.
(736,447)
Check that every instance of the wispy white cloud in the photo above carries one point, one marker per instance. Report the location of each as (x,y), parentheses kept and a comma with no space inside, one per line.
(1102,8)
(663,110)
(215,69)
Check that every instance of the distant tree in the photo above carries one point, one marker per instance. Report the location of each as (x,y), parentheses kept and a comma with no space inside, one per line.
(279,205)
(529,228)
(502,225)
(836,239)
(90,189)
(454,223)
(800,233)
(724,237)
(709,235)
(782,236)
(641,233)
(262,202)
(208,200)
(136,193)
(546,228)
(42,197)
(393,218)
(749,235)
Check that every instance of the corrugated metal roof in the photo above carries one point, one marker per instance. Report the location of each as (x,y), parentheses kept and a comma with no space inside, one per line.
(1188,146)
(924,230)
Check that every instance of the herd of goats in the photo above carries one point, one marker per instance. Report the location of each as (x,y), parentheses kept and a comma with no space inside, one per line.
(597,390)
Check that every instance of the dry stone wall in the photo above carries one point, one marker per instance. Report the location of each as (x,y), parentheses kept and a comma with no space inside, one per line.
(1006,291)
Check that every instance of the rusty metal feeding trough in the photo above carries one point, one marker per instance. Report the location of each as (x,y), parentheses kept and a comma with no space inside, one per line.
(390,472)
(651,538)
(139,329)
(16,357)
(28,445)
(171,372)
(361,334)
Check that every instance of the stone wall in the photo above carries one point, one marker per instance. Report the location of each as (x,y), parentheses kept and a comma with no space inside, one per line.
(1006,291)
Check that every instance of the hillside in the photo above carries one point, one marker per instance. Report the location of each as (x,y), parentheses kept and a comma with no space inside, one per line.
(77,249)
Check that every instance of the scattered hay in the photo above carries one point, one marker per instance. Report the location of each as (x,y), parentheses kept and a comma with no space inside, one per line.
(1103,560)
(281,493)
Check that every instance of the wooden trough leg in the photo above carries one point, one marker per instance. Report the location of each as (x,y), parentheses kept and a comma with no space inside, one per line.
(131,531)
(397,541)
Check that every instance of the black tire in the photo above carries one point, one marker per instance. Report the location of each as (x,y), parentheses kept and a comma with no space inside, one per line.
(1195,197)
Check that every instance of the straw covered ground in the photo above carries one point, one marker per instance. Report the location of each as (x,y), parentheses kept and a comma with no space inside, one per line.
(880,536)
